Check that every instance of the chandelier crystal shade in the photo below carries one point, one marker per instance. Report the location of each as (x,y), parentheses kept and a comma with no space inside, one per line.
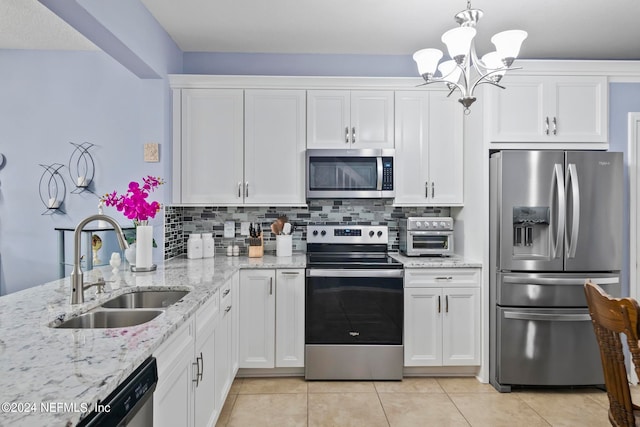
(456,72)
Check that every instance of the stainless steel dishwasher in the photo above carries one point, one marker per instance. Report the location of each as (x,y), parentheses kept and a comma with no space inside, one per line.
(131,403)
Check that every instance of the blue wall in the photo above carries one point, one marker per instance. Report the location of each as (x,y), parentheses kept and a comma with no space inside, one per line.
(51,98)
(623,99)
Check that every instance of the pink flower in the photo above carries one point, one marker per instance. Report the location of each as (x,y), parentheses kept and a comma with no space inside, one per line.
(133,204)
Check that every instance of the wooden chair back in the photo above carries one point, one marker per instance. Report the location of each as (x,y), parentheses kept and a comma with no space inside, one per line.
(611,317)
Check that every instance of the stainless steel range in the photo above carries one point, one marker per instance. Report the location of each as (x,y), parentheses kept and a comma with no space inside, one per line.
(354,305)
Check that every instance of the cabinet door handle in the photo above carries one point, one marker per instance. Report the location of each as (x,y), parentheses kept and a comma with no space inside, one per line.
(555,126)
(426,189)
(270,285)
(433,189)
(239,189)
(439,305)
(228,309)
(546,125)
(246,189)
(446,303)
(346,134)
(202,364)
(226,292)
(353,135)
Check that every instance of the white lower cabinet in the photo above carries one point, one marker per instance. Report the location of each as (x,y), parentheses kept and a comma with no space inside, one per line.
(173,397)
(442,317)
(206,353)
(271,318)
(196,364)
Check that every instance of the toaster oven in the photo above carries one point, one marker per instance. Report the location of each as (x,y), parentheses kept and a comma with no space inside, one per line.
(426,236)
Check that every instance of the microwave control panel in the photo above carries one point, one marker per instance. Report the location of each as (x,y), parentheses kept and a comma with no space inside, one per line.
(387,173)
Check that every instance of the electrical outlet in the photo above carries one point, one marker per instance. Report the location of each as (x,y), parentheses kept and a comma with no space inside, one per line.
(229,229)
(244,228)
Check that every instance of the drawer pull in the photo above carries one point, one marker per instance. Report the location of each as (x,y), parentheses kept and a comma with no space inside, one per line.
(290,273)
(447,278)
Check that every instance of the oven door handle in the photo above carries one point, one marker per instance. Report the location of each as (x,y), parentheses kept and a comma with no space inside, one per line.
(431,233)
(374,273)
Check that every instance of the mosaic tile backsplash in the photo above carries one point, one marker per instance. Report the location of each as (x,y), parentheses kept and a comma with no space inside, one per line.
(180,221)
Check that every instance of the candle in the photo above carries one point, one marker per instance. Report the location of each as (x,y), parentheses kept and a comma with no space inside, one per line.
(82,181)
(53,203)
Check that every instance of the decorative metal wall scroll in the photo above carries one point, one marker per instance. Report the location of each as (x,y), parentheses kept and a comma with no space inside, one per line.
(52,188)
(81,167)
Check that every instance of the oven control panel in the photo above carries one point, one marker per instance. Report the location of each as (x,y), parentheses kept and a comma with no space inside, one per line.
(364,234)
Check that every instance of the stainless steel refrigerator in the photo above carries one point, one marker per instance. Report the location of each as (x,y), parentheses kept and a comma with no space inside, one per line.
(555,221)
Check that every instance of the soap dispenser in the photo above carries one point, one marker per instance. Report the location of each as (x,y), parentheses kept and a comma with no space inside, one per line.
(194,246)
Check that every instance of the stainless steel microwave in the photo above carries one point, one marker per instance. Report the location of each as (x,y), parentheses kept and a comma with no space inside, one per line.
(364,173)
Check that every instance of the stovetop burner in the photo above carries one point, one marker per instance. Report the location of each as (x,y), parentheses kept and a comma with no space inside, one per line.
(353,246)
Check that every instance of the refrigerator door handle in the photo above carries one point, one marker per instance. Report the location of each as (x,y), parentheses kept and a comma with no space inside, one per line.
(558,178)
(575,221)
(555,281)
(549,317)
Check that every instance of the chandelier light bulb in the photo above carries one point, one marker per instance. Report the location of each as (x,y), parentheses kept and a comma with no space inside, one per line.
(427,61)
(450,71)
(458,41)
(492,61)
(508,44)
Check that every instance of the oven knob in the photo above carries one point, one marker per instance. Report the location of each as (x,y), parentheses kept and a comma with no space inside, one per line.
(371,233)
(435,224)
(323,232)
(418,224)
(315,232)
(379,233)
(443,224)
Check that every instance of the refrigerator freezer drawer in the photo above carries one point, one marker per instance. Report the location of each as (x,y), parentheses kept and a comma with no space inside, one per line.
(550,289)
(548,347)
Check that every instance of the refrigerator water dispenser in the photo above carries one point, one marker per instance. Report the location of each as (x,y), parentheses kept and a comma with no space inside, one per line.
(531,231)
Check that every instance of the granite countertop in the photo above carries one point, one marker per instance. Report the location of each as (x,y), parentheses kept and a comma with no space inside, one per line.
(454,261)
(69,370)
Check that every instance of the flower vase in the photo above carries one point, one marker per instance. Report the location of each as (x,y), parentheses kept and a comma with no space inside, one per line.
(144,247)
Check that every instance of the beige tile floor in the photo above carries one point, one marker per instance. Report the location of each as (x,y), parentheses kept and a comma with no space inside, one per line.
(414,402)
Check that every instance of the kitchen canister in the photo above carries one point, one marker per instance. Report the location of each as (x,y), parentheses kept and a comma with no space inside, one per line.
(194,246)
(208,245)
(284,244)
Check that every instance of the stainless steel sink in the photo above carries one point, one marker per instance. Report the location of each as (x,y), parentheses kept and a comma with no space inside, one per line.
(146,299)
(110,319)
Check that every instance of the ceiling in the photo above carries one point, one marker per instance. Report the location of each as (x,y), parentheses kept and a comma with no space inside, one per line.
(27,24)
(567,29)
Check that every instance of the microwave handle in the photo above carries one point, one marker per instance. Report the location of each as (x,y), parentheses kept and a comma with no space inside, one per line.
(379,164)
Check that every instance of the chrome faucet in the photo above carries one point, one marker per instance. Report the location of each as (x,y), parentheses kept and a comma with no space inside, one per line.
(77,283)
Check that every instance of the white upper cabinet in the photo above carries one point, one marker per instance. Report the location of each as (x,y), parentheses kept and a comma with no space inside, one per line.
(210,150)
(240,147)
(274,147)
(570,109)
(349,119)
(429,149)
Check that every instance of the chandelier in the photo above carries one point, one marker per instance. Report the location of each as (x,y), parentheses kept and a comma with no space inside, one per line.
(456,72)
